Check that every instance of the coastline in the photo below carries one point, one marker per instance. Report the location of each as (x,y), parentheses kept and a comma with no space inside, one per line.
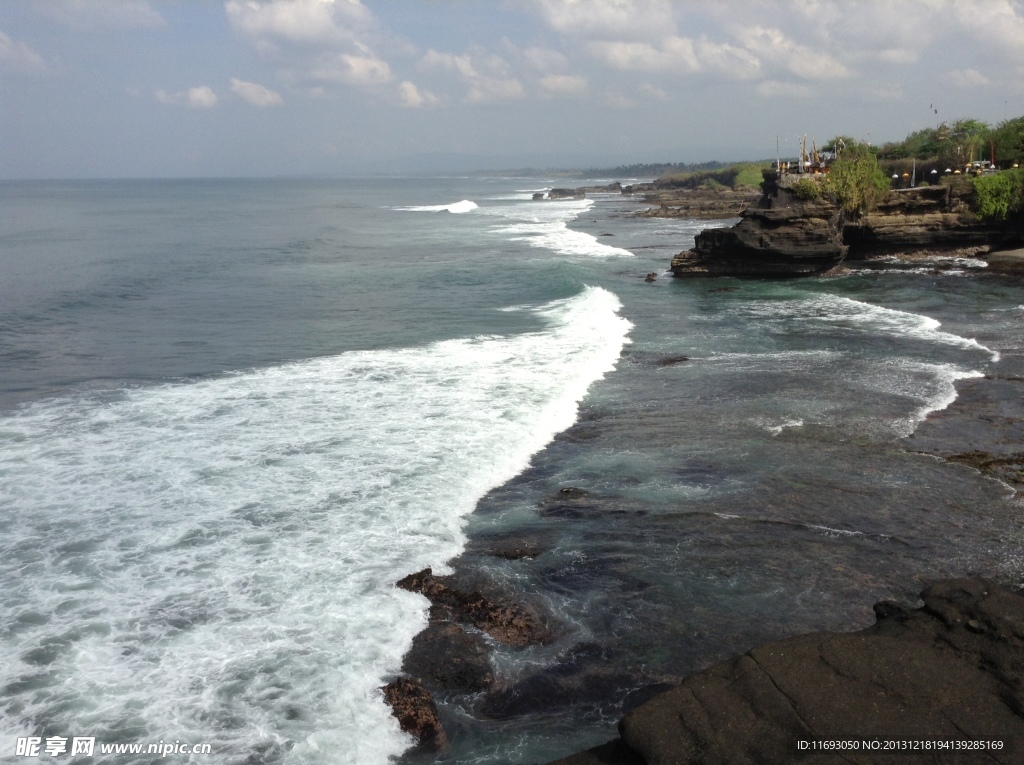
(968,629)
(597,673)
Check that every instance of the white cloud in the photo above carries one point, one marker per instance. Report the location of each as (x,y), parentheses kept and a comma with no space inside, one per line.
(898,56)
(730,60)
(93,15)
(771,44)
(413,97)
(967,78)
(255,94)
(16,56)
(307,22)
(563,84)
(998,23)
(609,19)
(199,97)
(775,89)
(545,59)
(361,70)
(674,53)
(654,92)
(488,77)
(618,100)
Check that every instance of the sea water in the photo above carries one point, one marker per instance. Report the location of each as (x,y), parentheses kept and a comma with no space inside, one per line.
(234,413)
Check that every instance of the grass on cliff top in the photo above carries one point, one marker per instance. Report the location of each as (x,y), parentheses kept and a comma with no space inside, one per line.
(733,177)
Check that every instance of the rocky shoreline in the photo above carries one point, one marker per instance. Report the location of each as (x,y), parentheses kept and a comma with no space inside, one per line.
(784,234)
(950,670)
(754,707)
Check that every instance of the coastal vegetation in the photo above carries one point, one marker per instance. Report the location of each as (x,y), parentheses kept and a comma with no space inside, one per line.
(964,141)
(855,182)
(735,176)
(999,197)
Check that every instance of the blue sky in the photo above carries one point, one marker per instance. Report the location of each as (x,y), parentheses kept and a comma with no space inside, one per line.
(137,88)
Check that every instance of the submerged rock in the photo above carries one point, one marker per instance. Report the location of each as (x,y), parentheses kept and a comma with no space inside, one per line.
(445,656)
(951,670)
(412,704)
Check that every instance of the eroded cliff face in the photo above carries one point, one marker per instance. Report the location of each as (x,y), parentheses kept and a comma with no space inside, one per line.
(782,235)
(936,218)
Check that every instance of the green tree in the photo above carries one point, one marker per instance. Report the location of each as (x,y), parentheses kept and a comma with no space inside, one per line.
(1009,140)
(1000,196)
(856,183)
(968,140)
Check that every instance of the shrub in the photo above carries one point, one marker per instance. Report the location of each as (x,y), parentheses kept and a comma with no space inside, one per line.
(805,188)
(855,181)
(999,196)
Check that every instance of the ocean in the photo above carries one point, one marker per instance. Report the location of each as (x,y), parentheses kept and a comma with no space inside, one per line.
(233,413)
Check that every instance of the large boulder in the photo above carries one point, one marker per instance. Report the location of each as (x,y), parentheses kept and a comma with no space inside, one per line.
(951,671)
(412,704)
(782,236)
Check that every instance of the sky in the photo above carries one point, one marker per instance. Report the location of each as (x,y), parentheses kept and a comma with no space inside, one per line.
(201,88)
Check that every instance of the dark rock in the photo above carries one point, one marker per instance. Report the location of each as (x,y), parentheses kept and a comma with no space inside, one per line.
(651,276)
(1008,469)
(580,677)
(934,218)
(572,492)
(539,195)
(567,194)
(782,236)
(445,656)
(668,361)
(412,704)
(709,204)
(512,545)
(1008,261)
(611,753)
(509,623)
(917,674)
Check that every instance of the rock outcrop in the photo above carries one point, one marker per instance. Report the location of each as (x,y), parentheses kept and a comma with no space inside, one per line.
(933,218)
(582,191)
(417,715)
(1006,261)
(952,670)
(783,235)
(509,623)
(710,204)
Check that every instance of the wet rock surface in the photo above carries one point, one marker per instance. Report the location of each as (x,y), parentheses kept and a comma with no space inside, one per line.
(952,670)
(1007,261)
(984,428)
(412,704)
(446,656)
(511,623)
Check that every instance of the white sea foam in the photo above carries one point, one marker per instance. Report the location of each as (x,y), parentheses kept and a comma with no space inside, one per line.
(856,314)
(465,206)
(215,561)
(777,429)
(545,225)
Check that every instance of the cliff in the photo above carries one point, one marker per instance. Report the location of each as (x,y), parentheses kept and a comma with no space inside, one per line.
(949,671)
(674,201)
(785,235)
(782,235)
